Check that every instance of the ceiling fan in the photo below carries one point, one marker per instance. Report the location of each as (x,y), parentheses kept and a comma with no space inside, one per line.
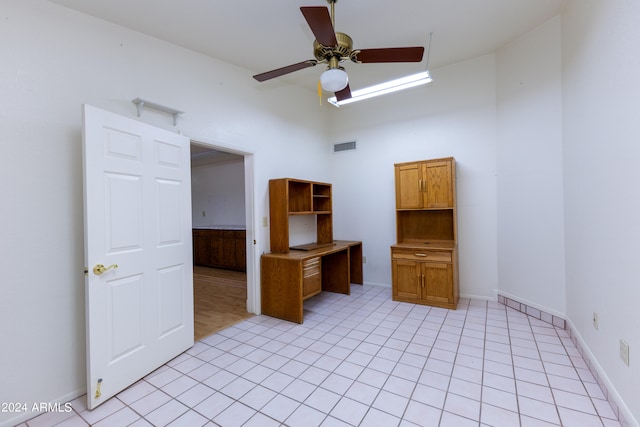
(333,48)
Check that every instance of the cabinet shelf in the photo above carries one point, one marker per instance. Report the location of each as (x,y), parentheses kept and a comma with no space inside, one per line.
(415,226)
(311,213)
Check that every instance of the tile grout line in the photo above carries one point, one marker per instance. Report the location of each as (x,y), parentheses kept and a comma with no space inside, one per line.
(346,323)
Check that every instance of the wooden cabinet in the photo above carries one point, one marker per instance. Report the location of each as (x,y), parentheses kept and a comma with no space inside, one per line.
(425,184)
(220,248)
(201,249)
(241,250)
(425,276)
(215,238)
(228,249)
(424,261)
(288,197)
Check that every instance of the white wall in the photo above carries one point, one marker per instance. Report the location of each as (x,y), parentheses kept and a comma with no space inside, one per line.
(601,122)
(217,194)
(453,116)
(54,60)
(529,164)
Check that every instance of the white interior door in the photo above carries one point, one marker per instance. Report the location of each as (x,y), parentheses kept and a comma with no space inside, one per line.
(139,311)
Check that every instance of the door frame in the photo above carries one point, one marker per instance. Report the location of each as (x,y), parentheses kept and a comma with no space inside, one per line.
(253,287)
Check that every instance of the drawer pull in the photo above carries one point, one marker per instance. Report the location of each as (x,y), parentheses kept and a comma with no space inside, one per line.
(420,254)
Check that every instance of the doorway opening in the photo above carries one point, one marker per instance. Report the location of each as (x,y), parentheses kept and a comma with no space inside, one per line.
(219,221)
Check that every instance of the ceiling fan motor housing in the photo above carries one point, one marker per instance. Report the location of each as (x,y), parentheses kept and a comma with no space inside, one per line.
(341,51)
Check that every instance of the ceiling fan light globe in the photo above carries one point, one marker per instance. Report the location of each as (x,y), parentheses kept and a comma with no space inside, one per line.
(334,80)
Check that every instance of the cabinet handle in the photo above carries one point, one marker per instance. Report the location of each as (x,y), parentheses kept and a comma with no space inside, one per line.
(422,281)
(420,254)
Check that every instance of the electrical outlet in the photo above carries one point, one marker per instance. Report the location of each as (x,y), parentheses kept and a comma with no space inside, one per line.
(364,259)
(204,213)
(265,221)
(596,320)
(624,352)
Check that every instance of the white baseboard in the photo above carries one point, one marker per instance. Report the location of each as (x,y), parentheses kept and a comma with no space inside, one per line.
(620,408)
(561,321)
(479,297)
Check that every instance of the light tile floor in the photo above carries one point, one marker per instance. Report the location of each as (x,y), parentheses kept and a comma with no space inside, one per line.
(365,360)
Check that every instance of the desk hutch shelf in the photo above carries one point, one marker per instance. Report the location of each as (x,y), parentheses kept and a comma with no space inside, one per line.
(288,197)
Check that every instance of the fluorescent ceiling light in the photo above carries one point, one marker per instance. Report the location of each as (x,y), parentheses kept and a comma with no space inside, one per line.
(384,88)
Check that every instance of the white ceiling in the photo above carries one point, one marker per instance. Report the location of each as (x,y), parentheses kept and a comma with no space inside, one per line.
(262,35)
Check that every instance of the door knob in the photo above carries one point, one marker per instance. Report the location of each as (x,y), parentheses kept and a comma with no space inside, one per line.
(99,268)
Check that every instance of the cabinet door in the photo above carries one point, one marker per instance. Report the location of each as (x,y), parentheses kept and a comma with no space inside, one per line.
(438,186)
(229,249)
(241,251)
(217,251)
(438,283)
(204,249)
(409,194)
(197,257)
(406,280)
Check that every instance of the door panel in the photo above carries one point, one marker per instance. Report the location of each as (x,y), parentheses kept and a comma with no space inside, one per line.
(170,306)
(125,234)
(438,284)
(406,279)
(139,310)
(124,312)
(439,189)
(169,218)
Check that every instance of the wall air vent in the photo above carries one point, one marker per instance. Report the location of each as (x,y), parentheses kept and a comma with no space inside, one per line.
(344,146)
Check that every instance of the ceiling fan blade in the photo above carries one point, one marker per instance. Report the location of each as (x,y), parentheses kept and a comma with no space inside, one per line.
(343,94)
(285,70)
(319,21)
(391,54)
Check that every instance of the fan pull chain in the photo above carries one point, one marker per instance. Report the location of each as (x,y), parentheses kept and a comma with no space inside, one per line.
(320,92)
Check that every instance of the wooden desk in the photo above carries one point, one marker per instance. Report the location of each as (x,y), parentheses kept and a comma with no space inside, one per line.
(289,279)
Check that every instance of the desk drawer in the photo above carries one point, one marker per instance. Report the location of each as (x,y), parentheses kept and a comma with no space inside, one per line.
(311,283)
(422,255)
